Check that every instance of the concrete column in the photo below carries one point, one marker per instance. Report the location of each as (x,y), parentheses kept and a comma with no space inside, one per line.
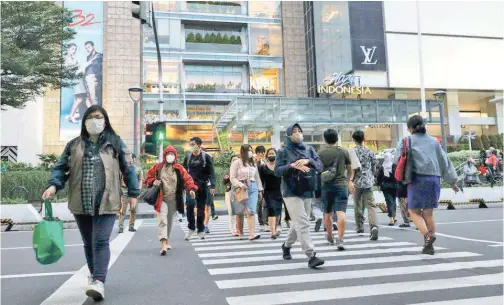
(245,134)
(275,137)
(498,100)
(454,127)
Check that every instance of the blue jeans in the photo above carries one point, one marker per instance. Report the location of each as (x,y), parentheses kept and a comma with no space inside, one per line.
(253,197)
(95,232)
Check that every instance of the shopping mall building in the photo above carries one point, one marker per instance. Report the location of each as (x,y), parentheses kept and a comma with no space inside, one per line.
(245,70)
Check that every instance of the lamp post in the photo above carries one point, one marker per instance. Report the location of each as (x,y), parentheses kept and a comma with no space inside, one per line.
(135,94)
(469,135)
(440,96)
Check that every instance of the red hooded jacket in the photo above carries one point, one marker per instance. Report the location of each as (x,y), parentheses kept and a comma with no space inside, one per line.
(184,180)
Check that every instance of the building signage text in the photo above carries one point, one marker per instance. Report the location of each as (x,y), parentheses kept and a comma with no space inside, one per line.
(340,83)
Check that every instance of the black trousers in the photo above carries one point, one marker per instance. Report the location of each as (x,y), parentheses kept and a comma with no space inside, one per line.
(200,203)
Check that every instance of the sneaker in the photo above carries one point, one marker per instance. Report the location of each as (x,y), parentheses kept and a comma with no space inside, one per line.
(189,234)
(312,218)
(273,237)
(96,291)
(287,223)
(428,247)
(330,239)
(314,261)
(404,225)
(339,244)
(335,227)
(286,252)
(318,223)
(279,231)
(121,230)
(215,217)
(207,230)
(374,234)
(90,279)
(361,231)
(201,235)
(132,229)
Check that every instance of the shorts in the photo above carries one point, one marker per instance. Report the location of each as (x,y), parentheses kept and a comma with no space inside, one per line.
(334,198)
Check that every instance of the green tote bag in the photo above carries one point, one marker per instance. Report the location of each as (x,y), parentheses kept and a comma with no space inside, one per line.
(48,240)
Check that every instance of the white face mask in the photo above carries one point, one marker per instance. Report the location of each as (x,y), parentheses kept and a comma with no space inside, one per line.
(250,154)
(170,158)
(297,137)
(95,126)
(193,149)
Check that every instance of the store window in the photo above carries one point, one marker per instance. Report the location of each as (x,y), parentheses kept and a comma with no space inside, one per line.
(265,81)
(266,39)
(266,9)
(219,79)
(171,79)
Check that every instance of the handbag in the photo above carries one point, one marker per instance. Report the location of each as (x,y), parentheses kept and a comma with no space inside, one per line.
(240,195)
(48,242)
(150,196)
(402,172)
(329,174)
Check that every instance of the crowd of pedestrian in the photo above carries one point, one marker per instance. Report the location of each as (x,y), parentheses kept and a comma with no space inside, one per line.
(295,181)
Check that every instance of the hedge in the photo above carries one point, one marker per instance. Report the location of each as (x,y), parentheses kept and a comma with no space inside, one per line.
(34,181)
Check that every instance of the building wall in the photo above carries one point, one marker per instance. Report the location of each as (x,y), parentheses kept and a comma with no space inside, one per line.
(121,70)
(294,52)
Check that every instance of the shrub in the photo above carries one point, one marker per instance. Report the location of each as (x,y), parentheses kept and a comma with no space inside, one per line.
(48,160)
(494,141)
(218,39)
(213,38)
(199,38)
(238,40)
(225,39)
(232,39)
(459,157)
(207,38)
(485,141)
(476,143)
(190,38)
(34,181)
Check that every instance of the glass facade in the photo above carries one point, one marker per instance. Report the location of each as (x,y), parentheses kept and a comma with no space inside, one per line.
(214,78)
(269,9)
(265,81)
(171,76)
(266,39)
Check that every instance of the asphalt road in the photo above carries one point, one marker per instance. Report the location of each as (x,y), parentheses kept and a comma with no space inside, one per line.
(466,269)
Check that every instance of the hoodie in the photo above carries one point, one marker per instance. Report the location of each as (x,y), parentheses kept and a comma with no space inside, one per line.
(184,180)
(290,153)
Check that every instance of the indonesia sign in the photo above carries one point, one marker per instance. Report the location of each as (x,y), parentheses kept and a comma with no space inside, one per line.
(340,83)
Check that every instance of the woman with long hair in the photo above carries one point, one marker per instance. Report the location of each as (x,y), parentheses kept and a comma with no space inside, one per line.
(388,185)
(93,163)
(80,92)
(244,174)
(428,163)
(174,180)
(228,198)
(272,192)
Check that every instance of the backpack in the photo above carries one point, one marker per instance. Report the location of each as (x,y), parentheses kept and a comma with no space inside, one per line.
(303,182)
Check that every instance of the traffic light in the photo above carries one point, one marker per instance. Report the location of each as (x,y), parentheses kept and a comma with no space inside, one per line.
(142,10)
(155,134)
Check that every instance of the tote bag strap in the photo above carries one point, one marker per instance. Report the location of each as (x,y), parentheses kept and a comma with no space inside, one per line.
(48,210)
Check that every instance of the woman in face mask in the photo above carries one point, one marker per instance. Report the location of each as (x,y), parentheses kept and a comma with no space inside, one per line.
(244,174)
(272,192)
(228,198)
(95,159)
(173,179)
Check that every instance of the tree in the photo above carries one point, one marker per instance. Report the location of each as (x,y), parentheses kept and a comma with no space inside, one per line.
(33,52)
(190,38)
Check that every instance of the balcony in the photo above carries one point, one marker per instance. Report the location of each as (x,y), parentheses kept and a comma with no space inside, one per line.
(203,41)
(216,88)
(214,7)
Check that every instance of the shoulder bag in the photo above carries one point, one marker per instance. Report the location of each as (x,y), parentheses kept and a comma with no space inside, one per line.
(150,196)
(403,169)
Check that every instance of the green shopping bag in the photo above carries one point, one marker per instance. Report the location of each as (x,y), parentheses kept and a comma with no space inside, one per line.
(48,240)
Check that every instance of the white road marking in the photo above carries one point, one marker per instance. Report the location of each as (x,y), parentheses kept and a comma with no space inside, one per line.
(14,276)
(468,221)
(496,300)
(252,244)
(20,248)
(357,261)
(323,255)
(292,297)
(298,249)
(223,237)
(72,291)
(342,275)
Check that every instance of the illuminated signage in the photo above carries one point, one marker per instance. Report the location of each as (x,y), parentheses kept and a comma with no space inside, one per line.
(340,83)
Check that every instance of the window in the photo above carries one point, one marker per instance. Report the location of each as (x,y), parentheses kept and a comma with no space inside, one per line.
(171,80)
(266,39)
(166,6)
(163,34)
(219,79)
(265,81)
(266,9)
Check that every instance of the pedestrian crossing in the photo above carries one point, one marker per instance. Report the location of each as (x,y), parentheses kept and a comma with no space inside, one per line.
(367,272)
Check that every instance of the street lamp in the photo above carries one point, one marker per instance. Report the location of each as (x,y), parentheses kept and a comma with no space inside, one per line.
(440,96)
(135,94)
(469,135)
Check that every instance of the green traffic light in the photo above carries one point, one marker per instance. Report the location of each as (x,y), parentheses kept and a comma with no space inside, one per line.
(160,136)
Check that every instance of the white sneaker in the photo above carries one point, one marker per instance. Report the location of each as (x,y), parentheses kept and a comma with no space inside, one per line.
(201,235)
(330,239)
(90,279)
(189,234)
(96,291)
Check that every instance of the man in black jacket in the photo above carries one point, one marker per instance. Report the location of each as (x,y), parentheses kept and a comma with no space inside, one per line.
(200,166)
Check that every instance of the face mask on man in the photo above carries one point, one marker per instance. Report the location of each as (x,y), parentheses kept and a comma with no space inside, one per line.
(95,126)
(271,158)
(193,149)
(170,158)
(297,137)
(250,155)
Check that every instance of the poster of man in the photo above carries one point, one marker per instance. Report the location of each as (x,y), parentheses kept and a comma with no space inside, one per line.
(84,52)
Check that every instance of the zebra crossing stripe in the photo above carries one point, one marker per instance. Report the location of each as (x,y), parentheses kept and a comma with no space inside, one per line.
(345,275)
(253,245)
(357,261)
(227,237)
(496,300)
(323,255)
(297,249)
(293,297)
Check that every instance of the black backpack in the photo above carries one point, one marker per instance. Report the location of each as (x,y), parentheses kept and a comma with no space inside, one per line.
(301,182)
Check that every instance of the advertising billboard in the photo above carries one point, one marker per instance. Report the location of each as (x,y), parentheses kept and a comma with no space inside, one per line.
(85,51)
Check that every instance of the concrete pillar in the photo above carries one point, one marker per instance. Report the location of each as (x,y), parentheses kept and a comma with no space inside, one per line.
(453,111)
(245,134)
(498,100)
(275,137)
